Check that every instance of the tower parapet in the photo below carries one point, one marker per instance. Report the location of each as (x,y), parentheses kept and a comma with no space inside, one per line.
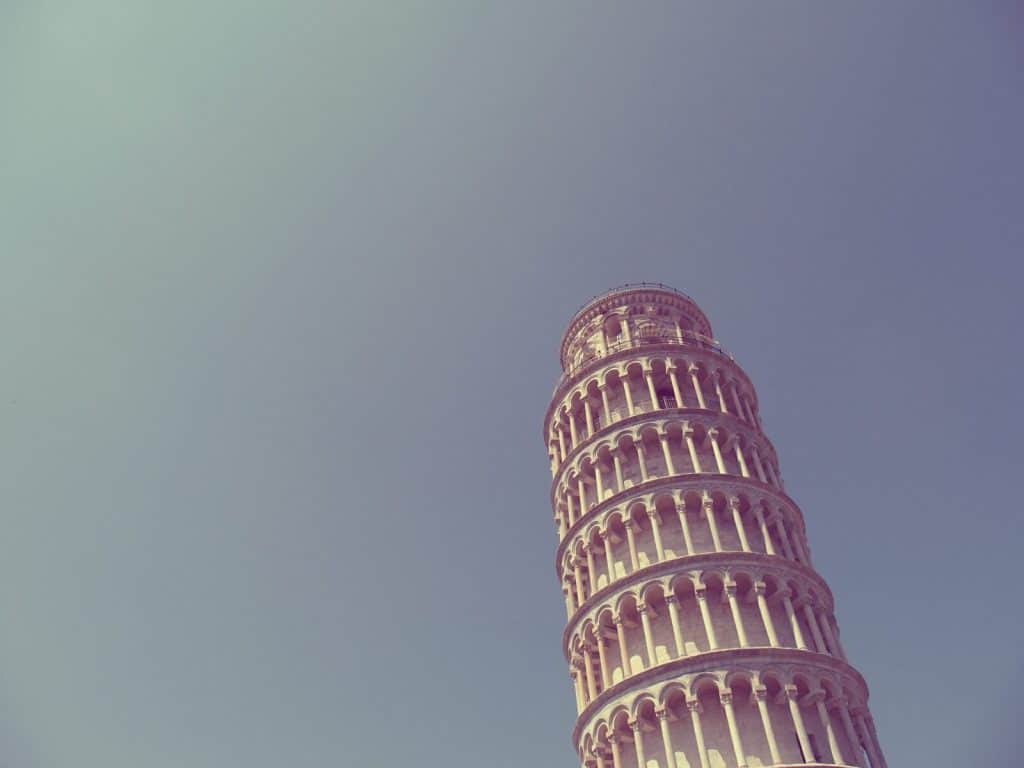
(698,631)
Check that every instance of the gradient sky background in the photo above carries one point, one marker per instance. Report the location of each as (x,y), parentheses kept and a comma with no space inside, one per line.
(281,296)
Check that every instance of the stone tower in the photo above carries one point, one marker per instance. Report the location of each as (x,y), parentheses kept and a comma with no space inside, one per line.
(699,633)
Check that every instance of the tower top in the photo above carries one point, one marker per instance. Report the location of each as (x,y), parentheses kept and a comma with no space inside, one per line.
(659,311)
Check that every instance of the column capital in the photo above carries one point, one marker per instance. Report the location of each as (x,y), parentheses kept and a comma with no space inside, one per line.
(802,601)
(730,589)
(629,524)
(707,502)
(671,598)
(725,697)
(662,714)
(760,588)
(618,619)
(761,693)
(694,705)
(692,368)
(735,502)
(791,693)
(636,724)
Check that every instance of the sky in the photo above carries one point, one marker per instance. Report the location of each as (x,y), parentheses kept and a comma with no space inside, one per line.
(281,295)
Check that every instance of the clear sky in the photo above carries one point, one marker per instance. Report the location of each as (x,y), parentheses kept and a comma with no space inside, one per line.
(281,293)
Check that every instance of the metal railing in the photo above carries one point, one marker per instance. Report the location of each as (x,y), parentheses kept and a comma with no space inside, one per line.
(632,287)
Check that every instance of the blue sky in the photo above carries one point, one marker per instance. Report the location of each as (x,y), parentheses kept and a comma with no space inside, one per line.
(282,291)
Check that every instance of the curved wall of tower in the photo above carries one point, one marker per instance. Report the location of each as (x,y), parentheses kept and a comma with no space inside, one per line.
(698,632)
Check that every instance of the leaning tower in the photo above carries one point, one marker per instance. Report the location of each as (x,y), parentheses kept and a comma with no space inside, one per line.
(699,632)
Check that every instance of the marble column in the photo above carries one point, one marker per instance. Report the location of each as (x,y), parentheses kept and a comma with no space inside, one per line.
(652,514)
(677,628)
(734,731)
(698,732)
(761,695)
(737,617)
(696,387)
(705,615)
(737,519)
(760,590)
(798,723)
(666,739)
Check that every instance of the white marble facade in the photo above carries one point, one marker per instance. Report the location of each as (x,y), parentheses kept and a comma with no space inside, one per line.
(698,632)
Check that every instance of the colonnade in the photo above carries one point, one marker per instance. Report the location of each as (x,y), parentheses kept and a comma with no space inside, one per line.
(654,451)
(672,525)
(652,623)
(631,388)
(671,724)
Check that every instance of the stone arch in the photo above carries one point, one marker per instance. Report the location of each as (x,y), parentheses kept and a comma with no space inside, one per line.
(654,594)
(614,530)
(744,580)
(714,582)
(627,608)
(649,441)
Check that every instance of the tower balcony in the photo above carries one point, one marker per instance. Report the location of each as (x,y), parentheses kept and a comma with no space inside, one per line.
(593,355)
